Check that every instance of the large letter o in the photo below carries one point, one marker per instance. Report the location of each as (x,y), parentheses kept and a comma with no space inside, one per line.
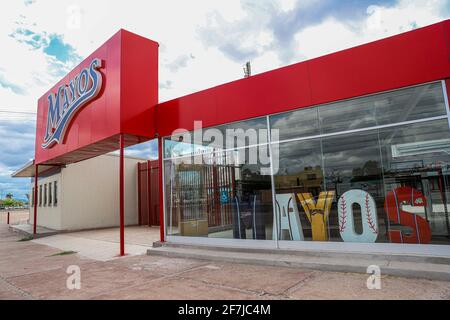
(368,214)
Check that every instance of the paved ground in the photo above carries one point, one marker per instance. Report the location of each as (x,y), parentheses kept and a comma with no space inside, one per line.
(30,270)
(103,245)
(16,217)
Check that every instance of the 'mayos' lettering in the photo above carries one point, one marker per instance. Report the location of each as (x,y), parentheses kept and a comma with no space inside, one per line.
(70,99)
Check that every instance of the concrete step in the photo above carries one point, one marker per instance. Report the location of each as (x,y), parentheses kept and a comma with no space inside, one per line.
(345,262)
(404,257)
(26,230)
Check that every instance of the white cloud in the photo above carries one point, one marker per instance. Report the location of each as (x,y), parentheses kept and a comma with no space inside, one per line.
(4,171)
(328,37)
(333,35)
(26,67)
(287,5)
(265,62)
(86,24)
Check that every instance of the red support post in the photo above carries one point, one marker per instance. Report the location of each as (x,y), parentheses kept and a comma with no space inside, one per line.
(161,197)
(7,219)
(149,194)
(139,194)
(121,197)
(36,177)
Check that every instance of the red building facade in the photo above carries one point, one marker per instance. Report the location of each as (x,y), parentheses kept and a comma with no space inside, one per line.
(352,147)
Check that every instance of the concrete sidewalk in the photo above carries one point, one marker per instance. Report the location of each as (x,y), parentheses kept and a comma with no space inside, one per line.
(103,245)
(15,217)
(27,230)
(412,266)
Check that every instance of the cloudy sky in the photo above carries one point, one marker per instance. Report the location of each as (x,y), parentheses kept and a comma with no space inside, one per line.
(202,43)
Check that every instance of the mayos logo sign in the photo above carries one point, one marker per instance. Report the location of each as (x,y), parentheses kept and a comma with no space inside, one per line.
(69,100)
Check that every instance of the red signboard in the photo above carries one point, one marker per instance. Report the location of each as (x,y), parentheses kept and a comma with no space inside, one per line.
(114,91)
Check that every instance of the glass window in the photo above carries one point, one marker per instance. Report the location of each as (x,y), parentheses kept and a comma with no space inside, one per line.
(300,173)
(314,174)
(235,135)
(416,161)
(387,185)
(299,162)
(296,124)
(395,182)
(410,104)
(177,146)
(45,195)
(55,193)
(40,196)
(388,182)
(50,200)
(241,134)
(403,171)
(353,162)
(219,195)
(398,106)
(392,107)
(348,115)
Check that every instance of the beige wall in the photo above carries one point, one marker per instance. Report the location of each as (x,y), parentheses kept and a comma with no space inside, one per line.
(48,215)
(89,195)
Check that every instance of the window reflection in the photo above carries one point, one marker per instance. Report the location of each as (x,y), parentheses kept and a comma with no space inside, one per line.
(296,124)
(381,184)
(393,107)
(412,159)
(218,195)
(417,156)
(353,162)
(382,109)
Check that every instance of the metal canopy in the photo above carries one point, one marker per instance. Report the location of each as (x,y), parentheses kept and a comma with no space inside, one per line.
(29,170)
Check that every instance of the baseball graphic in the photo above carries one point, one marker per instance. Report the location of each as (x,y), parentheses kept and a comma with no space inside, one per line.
(368,214)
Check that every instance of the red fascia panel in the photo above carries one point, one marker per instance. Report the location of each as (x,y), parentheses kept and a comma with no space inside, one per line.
(411,58)
(407,59)
(130,85)
(446,28)
(243,99)
(139,83)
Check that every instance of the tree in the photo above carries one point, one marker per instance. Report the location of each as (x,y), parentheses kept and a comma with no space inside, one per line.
(8,202)
(12,203)
(9,196)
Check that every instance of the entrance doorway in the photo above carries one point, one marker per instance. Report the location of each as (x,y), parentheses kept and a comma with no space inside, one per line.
(148,193)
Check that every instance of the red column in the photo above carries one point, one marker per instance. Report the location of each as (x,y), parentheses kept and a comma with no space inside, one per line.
(36,176)
(139,193)
(161,197)
(121,197)
(149,194)
(217,215)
